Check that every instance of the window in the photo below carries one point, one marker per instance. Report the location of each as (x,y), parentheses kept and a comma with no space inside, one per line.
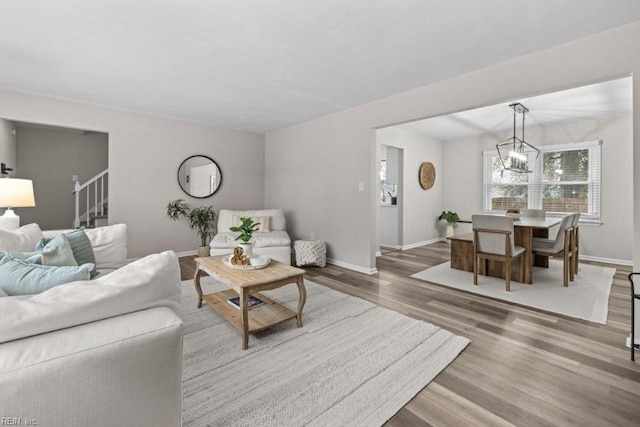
(565,179)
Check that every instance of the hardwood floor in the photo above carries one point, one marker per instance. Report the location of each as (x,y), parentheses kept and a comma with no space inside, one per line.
(524,367)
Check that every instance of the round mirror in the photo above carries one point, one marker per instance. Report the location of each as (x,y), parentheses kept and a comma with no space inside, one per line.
(199,176)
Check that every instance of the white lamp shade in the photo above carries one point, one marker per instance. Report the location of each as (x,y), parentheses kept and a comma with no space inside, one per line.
(16,193)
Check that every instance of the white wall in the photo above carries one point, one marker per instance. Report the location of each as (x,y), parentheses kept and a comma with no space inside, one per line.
(50,157)
(310,162)
(144,155)
(463,183)
(420,208)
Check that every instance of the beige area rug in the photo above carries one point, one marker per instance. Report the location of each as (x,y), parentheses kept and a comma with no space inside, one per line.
(352,363)
(587,297)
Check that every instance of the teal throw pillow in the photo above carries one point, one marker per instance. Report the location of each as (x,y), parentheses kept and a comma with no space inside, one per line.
(57,252)
(30,257)
(21,278)
(82,249)
(80,246)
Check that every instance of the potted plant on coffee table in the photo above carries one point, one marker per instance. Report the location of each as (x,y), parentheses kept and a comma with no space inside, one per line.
(201,219)
(451,218)
(246,229)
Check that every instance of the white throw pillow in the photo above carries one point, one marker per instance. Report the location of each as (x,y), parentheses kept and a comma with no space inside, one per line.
(109,245)
(24,239)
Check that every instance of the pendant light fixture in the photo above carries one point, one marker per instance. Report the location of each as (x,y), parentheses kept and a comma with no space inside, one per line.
(515,152)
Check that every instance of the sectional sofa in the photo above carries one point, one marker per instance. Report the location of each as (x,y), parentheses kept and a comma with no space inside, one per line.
(99,352)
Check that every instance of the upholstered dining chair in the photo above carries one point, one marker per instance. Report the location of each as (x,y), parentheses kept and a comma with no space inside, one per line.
(561,245)
(534,213)
(493,239)
(575,241)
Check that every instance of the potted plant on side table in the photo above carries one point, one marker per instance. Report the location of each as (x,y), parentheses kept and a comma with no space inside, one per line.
(451,218)
(246,229)
(201,219)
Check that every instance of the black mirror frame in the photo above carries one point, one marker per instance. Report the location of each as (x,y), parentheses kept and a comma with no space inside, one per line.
(185,191)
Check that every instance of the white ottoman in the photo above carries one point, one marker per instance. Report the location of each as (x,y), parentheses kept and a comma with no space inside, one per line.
(310,252)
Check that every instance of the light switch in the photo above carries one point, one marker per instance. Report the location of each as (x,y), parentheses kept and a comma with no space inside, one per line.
(361,186)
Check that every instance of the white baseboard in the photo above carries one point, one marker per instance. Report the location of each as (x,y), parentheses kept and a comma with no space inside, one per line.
(607,260)
(628,341)
(418,244)
(391,247)
(352,266)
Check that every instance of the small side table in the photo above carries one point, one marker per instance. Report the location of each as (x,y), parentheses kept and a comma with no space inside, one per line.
(310,252)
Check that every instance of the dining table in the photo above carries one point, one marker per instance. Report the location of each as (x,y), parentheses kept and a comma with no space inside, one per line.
(525,229)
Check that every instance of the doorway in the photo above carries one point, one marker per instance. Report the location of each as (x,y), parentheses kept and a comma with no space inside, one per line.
(53,157)
(390,200)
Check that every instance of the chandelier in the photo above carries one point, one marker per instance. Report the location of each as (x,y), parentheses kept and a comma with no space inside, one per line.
(514,152)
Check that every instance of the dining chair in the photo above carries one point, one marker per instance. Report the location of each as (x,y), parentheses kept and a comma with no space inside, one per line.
(575,242)
(493,239)
(534,213)
(561,245)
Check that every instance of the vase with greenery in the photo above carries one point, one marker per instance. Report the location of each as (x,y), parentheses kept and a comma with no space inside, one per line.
(451,218)
(246,229)
(201,219)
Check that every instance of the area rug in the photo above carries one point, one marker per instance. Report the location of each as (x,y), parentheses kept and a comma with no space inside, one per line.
(352,363)
(587,297)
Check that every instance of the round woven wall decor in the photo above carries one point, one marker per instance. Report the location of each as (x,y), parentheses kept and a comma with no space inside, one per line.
(427,175)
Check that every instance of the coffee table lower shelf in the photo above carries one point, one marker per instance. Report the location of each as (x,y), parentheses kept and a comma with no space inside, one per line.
(260,317)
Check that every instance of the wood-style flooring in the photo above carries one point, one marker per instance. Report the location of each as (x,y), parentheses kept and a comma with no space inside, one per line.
(524,367)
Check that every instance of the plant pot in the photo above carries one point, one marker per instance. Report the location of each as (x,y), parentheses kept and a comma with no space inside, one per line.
(449,231)
(247,249)
(203,251)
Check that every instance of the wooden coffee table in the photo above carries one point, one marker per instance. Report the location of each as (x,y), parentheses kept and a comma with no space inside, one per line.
(250,282)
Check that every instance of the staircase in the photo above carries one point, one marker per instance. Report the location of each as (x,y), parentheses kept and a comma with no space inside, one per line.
(91,201)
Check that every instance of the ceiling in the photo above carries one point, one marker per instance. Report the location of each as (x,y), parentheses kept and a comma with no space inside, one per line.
(604,100)
(264,65)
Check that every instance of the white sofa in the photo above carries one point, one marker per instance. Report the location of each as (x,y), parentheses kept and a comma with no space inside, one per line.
(100,352)
(275,243)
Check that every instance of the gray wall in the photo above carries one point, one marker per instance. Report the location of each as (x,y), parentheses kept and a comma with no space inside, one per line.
(144,155)
(463,179)
(8,146)
(50,157)
(309,162)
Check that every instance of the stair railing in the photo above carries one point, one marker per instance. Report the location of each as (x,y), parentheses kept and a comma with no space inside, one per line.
(95,189)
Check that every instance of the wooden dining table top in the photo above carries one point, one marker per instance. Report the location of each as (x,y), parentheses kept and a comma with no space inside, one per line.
(531,222)
(534,222)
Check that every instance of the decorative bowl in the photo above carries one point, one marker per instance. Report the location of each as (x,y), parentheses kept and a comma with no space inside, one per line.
(514,215)
(257,262)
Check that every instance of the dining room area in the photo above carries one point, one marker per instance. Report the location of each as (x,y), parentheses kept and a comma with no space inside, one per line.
(509,246)
(545,223)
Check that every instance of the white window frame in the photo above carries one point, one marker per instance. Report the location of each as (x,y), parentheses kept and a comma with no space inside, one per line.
(535,184)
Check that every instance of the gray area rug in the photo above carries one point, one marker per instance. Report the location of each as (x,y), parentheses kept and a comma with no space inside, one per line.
(587,297)
(352,363)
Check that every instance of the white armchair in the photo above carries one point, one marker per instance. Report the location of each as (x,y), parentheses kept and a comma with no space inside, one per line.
(271,239)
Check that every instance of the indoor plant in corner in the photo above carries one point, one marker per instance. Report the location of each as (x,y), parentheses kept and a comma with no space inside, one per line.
(201,219)
(451,218)
(246,229)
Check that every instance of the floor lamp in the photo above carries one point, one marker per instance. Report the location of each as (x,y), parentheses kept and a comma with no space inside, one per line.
(14,193)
